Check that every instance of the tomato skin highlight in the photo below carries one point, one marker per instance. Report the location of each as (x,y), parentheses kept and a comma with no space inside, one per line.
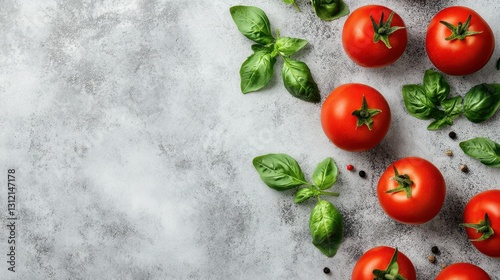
(358,33)
(427,192)
(379,258)
(463,271)
(484,202)
(340,126)
(459,57)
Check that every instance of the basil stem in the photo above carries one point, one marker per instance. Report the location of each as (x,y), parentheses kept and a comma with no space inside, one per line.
(292,2)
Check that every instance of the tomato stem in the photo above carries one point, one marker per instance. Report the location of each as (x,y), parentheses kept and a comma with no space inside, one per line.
(392,270)
(484,227)
(404,183)
(460,31)
(382,30)
(365,114)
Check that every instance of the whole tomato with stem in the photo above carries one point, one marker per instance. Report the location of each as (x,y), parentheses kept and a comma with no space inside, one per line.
(374,36)
(380,262)
(459,41)
(411,190)
(355,117)
(463,271)
(482,222)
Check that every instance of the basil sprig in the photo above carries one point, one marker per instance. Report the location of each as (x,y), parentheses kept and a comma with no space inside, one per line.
(481,102)
(325,9)
(483,149)
(281,172)
(258,69)
(430,101)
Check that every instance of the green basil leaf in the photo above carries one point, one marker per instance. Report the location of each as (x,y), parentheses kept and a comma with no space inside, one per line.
(440,123)
(453,107)
(288,46)
(325,174)
(279,171)
(304,194)
(299,81)
(253,23)
(293,3)
(262,48)
(417,103)
(498,64)
(329,9)
(257,71)
(481,102)
(325,225)
(436,87)
(483,149)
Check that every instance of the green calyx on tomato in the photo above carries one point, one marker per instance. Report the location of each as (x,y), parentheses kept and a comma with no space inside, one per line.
(392,270)
(484,227)
(461,31)
(404,183)
(382,30)
(365,114)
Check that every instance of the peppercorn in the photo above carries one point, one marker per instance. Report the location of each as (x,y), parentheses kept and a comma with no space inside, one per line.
(464,168)
(435,250)
(350,167)
(326,270)
(452,135)
(431,259)
(449,153)
(362,174)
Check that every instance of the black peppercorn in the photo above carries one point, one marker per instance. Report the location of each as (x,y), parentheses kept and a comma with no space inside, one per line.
(362,174)
(326,270)
(435,250)
(453,135)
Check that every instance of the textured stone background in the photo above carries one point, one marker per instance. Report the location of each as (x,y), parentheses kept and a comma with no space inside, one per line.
(133,144)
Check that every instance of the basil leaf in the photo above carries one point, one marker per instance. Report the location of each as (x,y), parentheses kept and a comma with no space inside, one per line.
(325,225)
(293,3)
(279,171)
(257,71)
(299,81)
(435,86)
(498,64)
(481,102)
(304,194)
(262,48)
(329,9)
(483,149)
(253,23)
(325,174)
(288,46)
(440,123)
(417,103)
(453,107)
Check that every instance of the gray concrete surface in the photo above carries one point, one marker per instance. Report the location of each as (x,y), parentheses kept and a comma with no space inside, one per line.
(132,144)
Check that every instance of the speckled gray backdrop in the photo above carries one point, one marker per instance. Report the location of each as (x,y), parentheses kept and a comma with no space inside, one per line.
(132,144)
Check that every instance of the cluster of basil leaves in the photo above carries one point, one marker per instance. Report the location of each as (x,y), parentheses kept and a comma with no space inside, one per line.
(325,9)
(282,172)
(431,100)
(258,69)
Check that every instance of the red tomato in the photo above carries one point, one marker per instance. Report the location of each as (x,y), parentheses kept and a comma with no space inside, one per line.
(466,54)
(463,271)
(348,131)
(380,258)
(487,202)
(413,195)
(366,45)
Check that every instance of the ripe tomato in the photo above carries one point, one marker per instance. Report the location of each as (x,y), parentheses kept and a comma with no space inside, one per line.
(374,36)
(355,117)
(464,50)
(463,271)
(482,221)
(379,259)
(411,190)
